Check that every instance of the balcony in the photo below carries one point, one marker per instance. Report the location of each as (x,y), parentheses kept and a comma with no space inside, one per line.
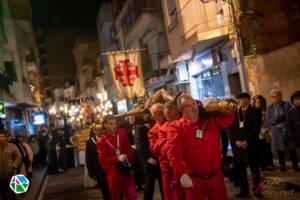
(137,17)
(202,22)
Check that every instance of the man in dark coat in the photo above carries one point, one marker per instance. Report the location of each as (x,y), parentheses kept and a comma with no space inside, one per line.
(149,162)
(246,131)
(94,169)
(138,165)
(293,124)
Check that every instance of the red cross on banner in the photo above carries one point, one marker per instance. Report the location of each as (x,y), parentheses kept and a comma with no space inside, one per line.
(126,71)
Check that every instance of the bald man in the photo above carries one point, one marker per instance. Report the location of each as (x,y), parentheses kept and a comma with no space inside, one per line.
(194,151)
(153,169)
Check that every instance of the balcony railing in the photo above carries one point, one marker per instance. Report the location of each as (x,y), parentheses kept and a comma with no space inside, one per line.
(195,16)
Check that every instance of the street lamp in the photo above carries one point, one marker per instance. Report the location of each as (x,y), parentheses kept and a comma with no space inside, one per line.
(99,96)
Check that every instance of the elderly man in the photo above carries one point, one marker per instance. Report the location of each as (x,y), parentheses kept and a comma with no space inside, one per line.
(276,117)
(194,151)
(115,153)
(10,159)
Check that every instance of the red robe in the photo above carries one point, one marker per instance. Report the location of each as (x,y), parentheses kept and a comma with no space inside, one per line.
(199,158)
(118,183)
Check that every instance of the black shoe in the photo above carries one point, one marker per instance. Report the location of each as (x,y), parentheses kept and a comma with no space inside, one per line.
(242,195)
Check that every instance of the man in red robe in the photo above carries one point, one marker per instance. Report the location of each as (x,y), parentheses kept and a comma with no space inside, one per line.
(114,150)
(194,151)
(171,113)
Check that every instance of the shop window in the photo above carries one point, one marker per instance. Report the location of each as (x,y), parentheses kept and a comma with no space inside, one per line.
(210,84)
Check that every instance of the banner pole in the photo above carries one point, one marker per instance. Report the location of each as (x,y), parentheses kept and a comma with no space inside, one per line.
(106,53)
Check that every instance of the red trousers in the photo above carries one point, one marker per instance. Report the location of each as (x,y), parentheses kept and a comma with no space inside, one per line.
(169,186)
(203,189)
(120,184)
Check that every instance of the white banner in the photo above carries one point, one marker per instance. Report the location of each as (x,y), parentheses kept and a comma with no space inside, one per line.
(125,68)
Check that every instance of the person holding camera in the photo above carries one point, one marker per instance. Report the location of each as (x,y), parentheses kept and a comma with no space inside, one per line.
(115,156)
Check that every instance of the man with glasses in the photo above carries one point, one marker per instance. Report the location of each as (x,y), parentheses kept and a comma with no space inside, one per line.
(194,150)
(276,117)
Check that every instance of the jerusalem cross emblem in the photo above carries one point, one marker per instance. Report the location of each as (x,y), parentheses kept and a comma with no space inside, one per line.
(126,72)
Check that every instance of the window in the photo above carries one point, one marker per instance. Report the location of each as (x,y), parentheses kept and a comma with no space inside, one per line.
(10,70)
(171,6)
(153,50)
(210,84)
(172,14)
(220,13)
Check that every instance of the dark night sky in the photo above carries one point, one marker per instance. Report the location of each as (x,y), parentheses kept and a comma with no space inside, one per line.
(63,12)
(62,21)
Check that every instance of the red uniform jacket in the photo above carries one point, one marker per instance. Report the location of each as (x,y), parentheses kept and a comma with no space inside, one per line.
(163,159)
(190,155)
(107,154)
(154,140)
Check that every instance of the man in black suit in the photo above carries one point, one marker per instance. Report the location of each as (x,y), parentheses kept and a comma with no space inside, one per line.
(149,162)
(94,168)
(245,132)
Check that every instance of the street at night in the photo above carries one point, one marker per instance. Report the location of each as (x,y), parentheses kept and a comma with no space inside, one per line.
(149,99)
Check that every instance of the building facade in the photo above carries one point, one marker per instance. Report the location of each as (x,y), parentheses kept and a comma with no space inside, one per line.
(19,68)
(270,33)
(203,48)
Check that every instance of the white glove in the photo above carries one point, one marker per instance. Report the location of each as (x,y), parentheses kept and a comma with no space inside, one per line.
(122,157)
(186,181)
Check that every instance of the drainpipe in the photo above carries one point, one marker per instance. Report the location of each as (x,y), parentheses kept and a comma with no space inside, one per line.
(238,48)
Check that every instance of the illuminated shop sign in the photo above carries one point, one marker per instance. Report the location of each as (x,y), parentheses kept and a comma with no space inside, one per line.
(2,110)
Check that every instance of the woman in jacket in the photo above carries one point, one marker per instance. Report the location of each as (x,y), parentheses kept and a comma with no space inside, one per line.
(265,149)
